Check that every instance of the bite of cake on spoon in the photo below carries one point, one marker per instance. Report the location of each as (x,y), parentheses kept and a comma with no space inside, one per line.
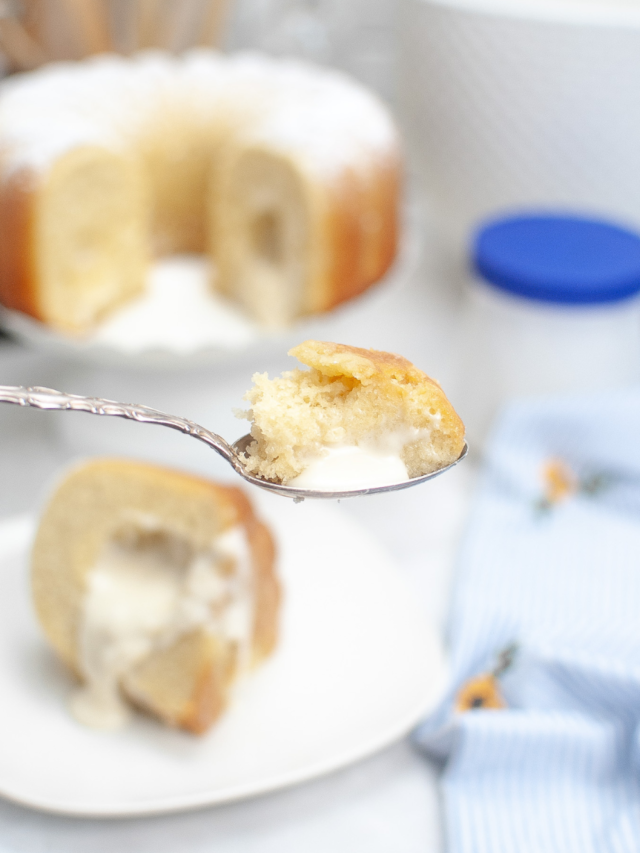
(357,418)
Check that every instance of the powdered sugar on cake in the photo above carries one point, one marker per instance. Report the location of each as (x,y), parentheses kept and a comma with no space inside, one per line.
(110,101)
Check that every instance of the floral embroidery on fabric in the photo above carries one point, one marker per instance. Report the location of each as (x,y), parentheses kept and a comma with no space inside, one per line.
(480,692)
(560,483)
(483,691)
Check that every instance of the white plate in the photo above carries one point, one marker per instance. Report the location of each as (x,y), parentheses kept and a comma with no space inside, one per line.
(357,666)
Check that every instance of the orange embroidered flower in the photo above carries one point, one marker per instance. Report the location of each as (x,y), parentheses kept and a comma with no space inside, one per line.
(483,691)
(560,482)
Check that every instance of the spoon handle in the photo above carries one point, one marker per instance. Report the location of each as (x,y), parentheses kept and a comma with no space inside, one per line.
(47,398)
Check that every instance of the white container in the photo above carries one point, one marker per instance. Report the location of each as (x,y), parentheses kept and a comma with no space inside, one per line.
(516,346)
(524,348)
(522,102)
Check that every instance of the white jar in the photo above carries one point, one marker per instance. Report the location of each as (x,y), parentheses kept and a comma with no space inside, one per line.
(553,307)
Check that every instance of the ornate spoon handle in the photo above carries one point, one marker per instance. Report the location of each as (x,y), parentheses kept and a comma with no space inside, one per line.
(47,398)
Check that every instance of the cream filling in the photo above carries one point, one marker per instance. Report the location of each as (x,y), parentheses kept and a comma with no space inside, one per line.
(370,463)
(148,588)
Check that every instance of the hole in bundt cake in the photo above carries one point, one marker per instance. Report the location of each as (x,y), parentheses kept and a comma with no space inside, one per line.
(267,237)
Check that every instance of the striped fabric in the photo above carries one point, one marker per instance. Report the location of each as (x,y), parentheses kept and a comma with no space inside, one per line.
(558,770)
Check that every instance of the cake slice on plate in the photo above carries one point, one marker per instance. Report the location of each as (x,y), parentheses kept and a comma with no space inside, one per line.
(157,589)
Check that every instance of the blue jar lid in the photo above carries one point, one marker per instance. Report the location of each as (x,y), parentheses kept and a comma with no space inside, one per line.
(562,259)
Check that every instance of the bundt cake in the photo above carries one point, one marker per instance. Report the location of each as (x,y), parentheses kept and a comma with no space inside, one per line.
(155,587)
(286,174)
(358,418)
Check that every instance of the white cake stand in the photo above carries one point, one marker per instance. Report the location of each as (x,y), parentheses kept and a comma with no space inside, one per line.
(180,323)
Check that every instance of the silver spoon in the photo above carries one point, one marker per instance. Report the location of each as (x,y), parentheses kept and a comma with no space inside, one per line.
(47,398)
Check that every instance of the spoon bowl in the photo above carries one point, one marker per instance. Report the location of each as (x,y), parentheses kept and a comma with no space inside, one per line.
(47,398)
(298,494)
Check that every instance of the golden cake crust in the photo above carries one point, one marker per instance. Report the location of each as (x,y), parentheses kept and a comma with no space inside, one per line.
(359,256)
(365,365)
(17,273)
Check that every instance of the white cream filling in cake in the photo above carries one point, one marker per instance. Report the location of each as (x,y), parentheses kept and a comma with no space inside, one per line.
(370,463)
(149,587)
(178,312)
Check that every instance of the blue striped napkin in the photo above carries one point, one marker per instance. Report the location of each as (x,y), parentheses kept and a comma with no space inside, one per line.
(546,621)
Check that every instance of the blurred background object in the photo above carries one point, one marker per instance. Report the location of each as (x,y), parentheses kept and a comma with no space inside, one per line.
(36,31)
(358,36)
(522,104)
